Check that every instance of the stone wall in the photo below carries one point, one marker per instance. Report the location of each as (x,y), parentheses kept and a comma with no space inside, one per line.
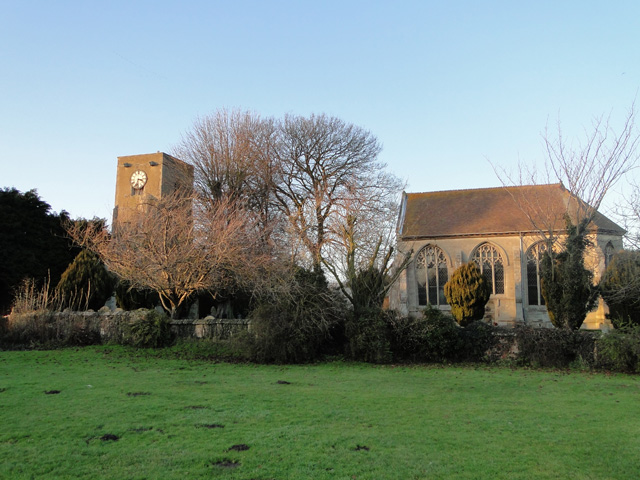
(108,325)
(209,327)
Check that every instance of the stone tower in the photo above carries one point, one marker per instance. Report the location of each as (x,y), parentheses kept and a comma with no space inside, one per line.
(142,178)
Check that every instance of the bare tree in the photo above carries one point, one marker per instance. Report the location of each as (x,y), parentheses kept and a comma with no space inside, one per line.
(232,152)
(323,162)
(360,252)
(587,168)
(308,178)
(592,168)
(177,248)
(627,212)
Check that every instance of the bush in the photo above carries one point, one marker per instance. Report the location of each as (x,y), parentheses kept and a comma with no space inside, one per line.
(478,339)
(558,348)
(152,330)
(369,336)
(442,335)
(278,335)
(467,293)
(293,325)
(433,337)
(408,338)
(619,350)
(620,289)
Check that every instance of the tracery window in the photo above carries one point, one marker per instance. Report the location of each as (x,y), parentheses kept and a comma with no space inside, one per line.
(491,265)
(534,263)
(431,275)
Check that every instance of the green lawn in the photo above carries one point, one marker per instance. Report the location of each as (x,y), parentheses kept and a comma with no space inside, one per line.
(180,419)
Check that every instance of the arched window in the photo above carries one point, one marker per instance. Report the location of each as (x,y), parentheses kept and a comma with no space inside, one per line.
(608,254)
(431,274)
(491,265)
(534,261)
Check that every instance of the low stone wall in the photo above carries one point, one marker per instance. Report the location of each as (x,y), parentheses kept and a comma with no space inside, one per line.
(108,325)
(77,327)
(209,327)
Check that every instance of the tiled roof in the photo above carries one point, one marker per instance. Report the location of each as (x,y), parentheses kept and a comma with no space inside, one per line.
(491,211)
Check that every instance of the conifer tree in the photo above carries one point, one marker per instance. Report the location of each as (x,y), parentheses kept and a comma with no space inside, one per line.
(33,243)
(620,288)
(566,284)
(467,293)
(86,283)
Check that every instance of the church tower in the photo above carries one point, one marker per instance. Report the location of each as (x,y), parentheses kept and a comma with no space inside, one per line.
(142,178)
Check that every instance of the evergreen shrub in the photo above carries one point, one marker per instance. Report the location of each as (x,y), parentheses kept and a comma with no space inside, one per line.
(467,293)
(293,326)
(86,283)
(278,335)
(408,338)
(554,348)
(368,336)
(620,289)
(565,282)
(151,330)
(619,350)
(478,341)
(431,337)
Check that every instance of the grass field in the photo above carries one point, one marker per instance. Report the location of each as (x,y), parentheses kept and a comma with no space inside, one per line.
(127,415)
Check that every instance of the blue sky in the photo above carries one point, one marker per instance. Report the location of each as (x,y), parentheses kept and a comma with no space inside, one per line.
(444,85)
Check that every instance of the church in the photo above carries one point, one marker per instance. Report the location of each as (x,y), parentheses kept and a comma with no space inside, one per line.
(502,230)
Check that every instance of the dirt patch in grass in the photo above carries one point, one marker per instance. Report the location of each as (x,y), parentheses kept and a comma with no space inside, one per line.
(209,425)
(361,447)
(195,407)
(138,394)
(109,437)
(283,382)
(241,447)
(225,463)
(52,392)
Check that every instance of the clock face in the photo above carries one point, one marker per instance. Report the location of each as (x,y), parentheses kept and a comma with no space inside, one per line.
(138,179)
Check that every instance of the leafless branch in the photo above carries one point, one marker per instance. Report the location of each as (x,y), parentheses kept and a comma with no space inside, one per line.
(588,169)
(176,247)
